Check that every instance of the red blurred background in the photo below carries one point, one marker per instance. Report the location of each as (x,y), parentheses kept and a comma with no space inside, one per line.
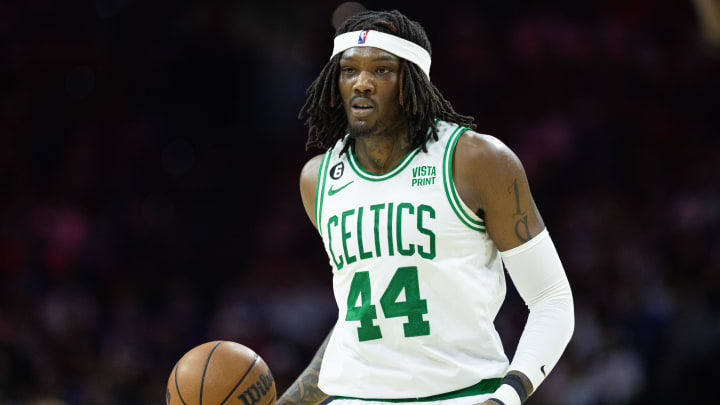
(149,161)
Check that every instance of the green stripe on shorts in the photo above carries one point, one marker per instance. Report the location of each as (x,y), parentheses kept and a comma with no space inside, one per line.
(487,386)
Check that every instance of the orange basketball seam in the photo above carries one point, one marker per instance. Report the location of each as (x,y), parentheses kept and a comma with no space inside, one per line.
(176,383)
(241,379)
(207,362)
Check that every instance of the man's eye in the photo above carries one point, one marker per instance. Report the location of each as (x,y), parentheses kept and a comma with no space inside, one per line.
(347,69)
(383,70)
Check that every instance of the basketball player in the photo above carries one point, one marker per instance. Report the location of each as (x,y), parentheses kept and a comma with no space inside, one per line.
(418,213)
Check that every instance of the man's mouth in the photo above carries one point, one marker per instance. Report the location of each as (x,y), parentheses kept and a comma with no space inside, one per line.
(361,107)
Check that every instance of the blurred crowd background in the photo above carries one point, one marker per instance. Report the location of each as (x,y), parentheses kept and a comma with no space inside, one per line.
(149,163)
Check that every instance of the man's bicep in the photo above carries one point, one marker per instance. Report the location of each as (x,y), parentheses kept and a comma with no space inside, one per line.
(308,186)
(511,216)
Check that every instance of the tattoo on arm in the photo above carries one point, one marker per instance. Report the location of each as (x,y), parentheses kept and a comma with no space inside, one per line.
(522,231)
(305,391)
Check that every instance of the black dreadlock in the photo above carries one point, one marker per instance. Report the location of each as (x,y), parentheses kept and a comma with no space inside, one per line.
(421,100)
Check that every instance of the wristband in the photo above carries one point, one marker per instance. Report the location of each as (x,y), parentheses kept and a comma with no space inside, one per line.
(506,395)
(514,381)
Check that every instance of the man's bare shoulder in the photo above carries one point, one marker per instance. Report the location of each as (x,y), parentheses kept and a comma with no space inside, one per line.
(481,153)
(311,169)
(490,177)
(308,184)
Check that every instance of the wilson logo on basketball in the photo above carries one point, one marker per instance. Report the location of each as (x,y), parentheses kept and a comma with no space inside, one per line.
(252,395)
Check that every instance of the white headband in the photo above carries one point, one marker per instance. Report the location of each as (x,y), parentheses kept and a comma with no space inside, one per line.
(395,45)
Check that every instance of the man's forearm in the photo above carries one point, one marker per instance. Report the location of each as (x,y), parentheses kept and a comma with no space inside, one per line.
(305,391)
(540,279)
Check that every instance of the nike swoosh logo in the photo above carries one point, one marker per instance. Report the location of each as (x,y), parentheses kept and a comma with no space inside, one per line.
(337,190)
(543,369)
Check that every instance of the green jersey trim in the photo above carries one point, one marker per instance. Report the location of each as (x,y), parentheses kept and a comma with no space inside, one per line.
(450,190)
(352,158)
(320,189)
(486,386)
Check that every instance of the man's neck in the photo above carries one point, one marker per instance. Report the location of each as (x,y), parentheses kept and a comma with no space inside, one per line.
(380,153)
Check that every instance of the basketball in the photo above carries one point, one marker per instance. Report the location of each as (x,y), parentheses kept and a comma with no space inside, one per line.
(220,373)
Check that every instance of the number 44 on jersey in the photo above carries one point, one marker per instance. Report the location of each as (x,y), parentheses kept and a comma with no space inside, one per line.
(413,307)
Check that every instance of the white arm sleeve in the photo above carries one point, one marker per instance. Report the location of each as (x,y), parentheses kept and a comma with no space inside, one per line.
(538,275)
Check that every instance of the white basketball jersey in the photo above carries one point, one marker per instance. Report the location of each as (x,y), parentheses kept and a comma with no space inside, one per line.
(416,278)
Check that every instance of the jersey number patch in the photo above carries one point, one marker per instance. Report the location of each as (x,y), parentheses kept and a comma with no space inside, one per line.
(405,278)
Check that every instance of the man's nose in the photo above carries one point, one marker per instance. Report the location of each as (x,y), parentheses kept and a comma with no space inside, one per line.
(364,83)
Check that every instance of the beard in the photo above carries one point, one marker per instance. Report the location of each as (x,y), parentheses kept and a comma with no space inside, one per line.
(379,127)
(359,131)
